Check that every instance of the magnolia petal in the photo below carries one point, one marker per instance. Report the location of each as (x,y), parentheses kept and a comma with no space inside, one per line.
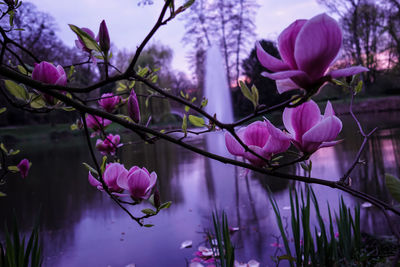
(256,134)
(303,118)
(268,61)
(331,143)
(347,71)
(93,181)
(287,40)
(317,45)
(278,141)
(233,145)
(324,131)
(329,110)
(285,85)
(286,74)
(138,183)
(287,120)
(254,159)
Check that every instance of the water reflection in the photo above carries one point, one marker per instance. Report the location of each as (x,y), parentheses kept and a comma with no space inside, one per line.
(82,227)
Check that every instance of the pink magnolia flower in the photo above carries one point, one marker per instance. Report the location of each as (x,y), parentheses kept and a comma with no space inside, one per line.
(108,101)
(109,144)
(47,73)
(110,176)
(96,123)
(307,49)
(133,107)
(138,182)
(309,129)
(23,167)
(104,38)
(262,137)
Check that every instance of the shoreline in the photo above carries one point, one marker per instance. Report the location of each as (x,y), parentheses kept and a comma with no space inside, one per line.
(369,105)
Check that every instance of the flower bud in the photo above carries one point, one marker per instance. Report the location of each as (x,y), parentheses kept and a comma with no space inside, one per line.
(133,107)
(104,38)
(23,167)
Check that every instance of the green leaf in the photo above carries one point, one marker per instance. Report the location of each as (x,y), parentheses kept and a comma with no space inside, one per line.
(125,117)
(13,168)
(148,225)
(182,94)
(71,71)
(11,21)
(103,164)
(193,99)
(187,108)
(154,78)
(3,147)
(14,152)
(196,121)
(165,205)
(143,71)
(338,82)
(204,102)
(358,87)
(255,94)
(86,38)
(393,186)
(2,194)
(149,211)
(22,70)
(68,109)
(90,168)
(73,127)
(16,90)
(3,109)
(184,124)
(37,101)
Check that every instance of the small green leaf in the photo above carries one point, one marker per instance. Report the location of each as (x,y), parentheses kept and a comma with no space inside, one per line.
(165,205)
(13,168)
(196,121)
(103,164)
(245,90)
(204,102)
(338,82)
(193,99)
(393,186)
(187,108)
(74,127)
(13,152)
(3,147)
(68,109)
(255,94)
(86,38)
(143,71)
(90,168)
(182,94)
(154,78)
(149,211)
(37,101)
(22,70)
(16,90)
(358,87)
(184,124)
(148,225)
(2,194)
(71,71)
(2,110)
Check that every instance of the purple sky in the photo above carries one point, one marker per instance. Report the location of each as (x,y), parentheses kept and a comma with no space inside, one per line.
(128,23)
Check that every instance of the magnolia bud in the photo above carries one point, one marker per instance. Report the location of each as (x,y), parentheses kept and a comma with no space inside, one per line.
(133,107)
(104,38)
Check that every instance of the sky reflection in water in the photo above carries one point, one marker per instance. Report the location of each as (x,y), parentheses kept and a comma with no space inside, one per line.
(82,227)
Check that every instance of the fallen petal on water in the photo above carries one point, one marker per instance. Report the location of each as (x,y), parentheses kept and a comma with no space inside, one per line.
(186,244)
(366,205)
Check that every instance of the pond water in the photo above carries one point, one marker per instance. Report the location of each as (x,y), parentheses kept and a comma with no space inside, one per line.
(81,226)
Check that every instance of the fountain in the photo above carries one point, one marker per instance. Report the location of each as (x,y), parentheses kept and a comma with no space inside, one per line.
(216,86)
